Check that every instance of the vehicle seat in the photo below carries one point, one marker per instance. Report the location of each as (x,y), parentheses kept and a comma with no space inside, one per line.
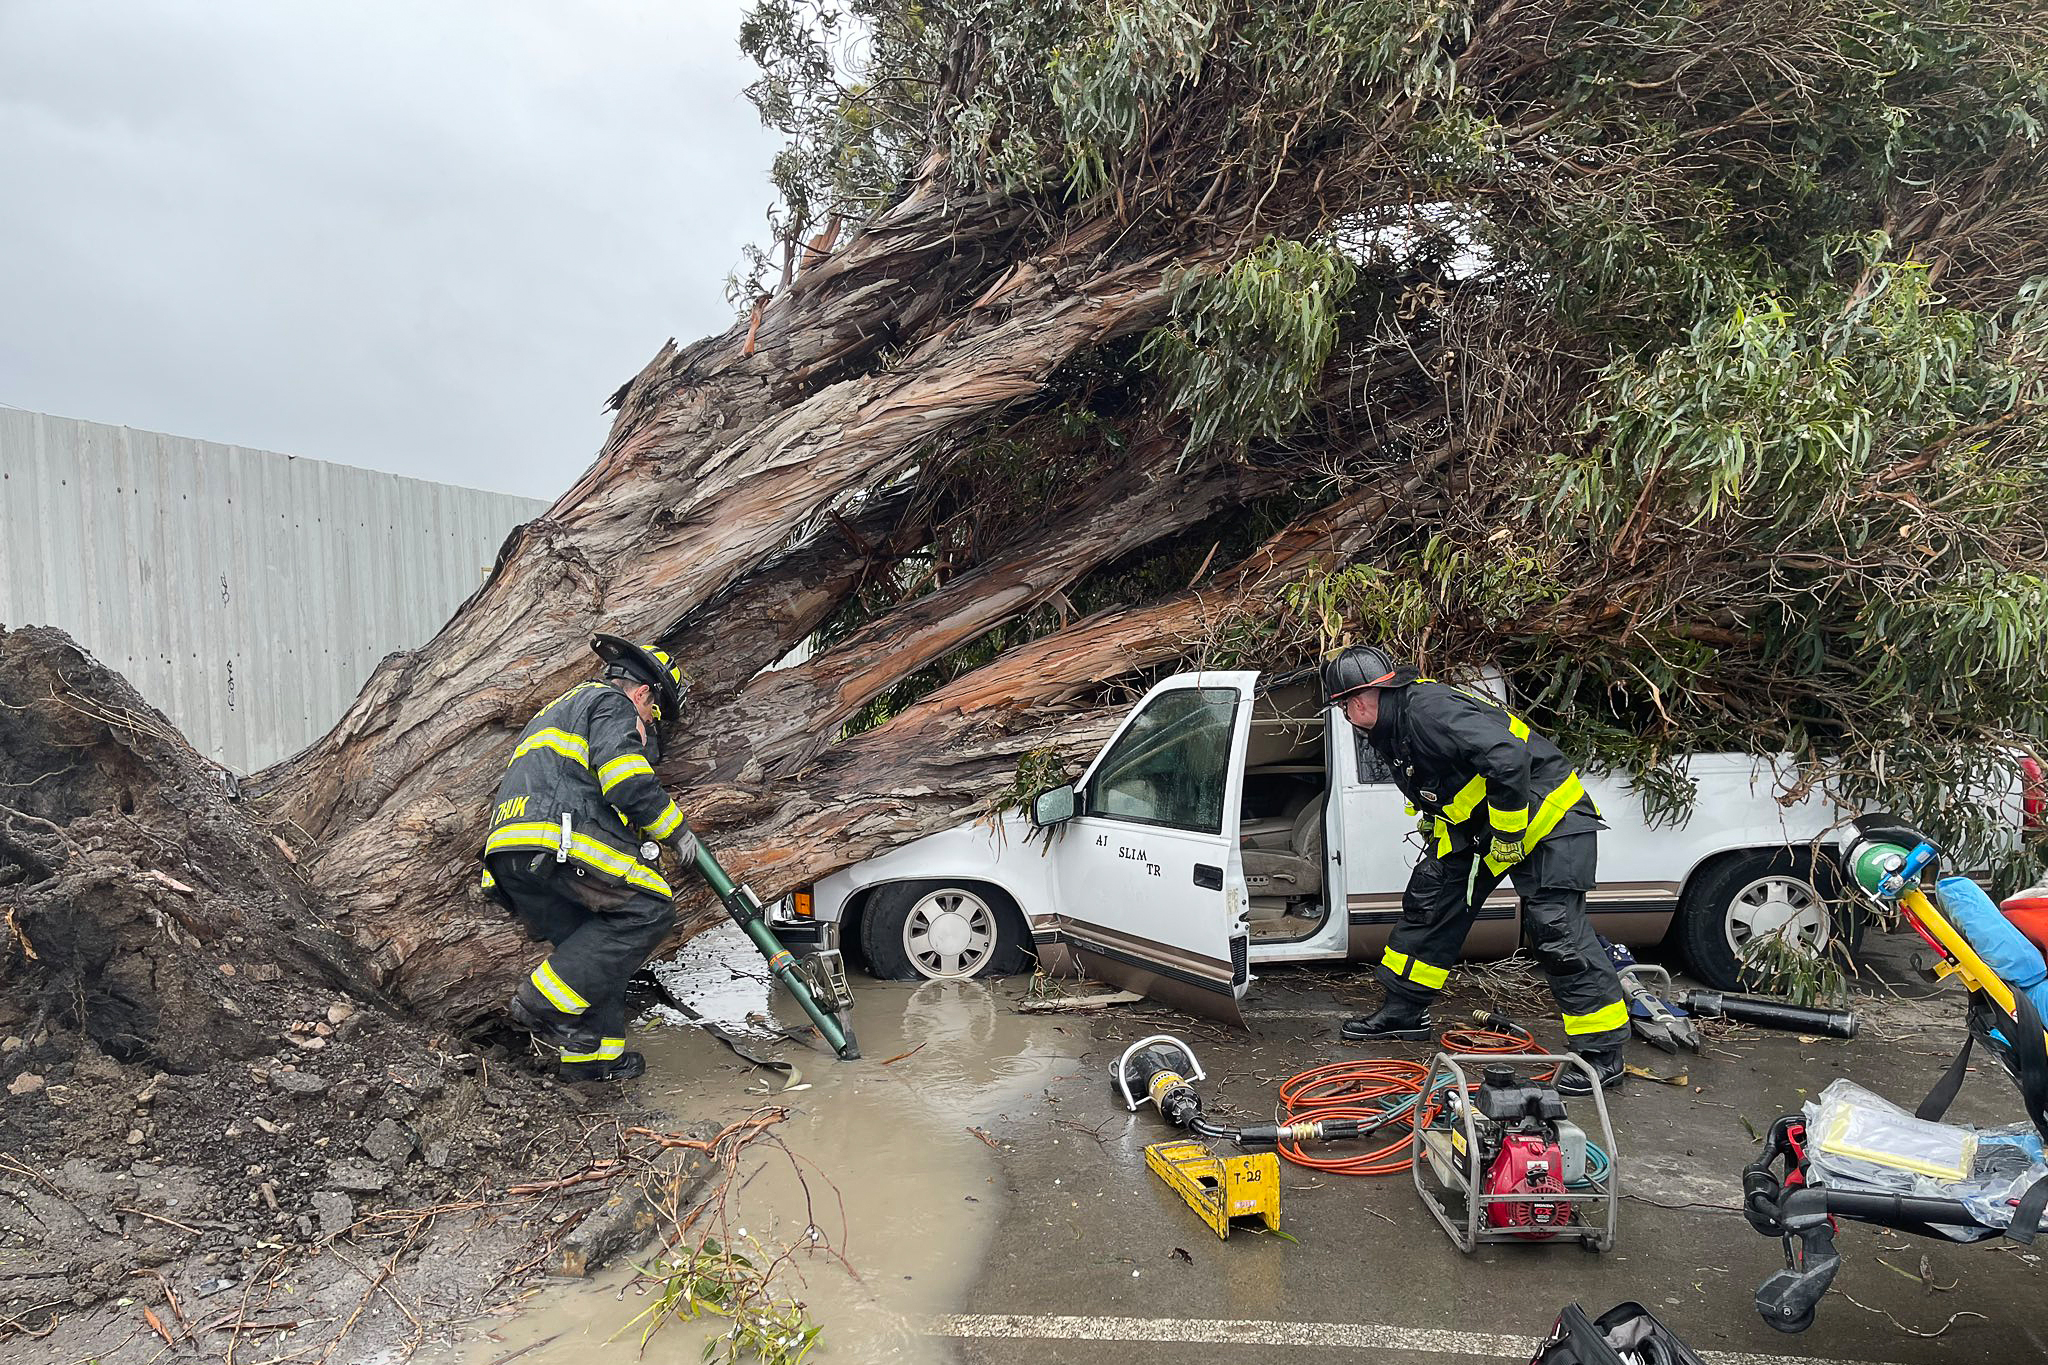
(1272,831)
(1295,870)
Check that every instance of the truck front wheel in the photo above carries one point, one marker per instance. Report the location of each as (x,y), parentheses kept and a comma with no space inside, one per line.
(1733,907)
(942,931)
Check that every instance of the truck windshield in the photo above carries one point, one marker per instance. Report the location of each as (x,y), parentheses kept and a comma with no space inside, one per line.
(1171,766)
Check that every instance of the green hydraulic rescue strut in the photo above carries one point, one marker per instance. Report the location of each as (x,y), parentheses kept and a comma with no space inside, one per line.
(829,974)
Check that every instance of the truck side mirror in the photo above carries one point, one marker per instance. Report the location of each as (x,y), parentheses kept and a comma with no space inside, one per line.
(1055,807)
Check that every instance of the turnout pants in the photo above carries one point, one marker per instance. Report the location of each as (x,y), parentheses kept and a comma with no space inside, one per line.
(1443,897)
(602,931)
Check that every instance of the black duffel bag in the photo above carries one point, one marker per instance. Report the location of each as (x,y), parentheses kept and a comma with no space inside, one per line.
(1626,1334)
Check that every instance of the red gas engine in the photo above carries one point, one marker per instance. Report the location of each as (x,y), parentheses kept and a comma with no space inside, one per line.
(1502,1160)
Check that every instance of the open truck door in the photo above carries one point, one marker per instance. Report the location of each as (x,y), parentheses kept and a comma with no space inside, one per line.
(1145,867)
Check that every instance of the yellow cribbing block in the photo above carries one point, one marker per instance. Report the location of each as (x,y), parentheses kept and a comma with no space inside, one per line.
(1217,1188)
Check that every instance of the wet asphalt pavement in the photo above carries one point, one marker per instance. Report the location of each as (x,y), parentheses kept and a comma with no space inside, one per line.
(1109,1254)
(990,1198)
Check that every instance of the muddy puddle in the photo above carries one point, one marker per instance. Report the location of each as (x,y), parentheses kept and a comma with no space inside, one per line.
(887,1170)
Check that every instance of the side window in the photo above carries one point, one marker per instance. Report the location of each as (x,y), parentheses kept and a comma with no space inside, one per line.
(1171,766)
(1372,769)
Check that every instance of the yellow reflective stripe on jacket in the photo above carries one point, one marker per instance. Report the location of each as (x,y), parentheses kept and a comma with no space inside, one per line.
(489,881)
(1508,821)
(665,824)
(583,849)
(573,747)
(1418,971)
(1603,1020)
(1460,807)
(1518,727)
(621,768)
(560,993)
(609,1050)
(579,687)
(1554,807)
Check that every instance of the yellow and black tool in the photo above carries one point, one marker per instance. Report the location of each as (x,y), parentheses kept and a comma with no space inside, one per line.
(1162,1070)
(1220,1189)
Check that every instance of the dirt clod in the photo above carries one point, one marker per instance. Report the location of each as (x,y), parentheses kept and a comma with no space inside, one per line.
(358,1177)
(336,1212)
(163,951)
(298,1083)
(391,1143)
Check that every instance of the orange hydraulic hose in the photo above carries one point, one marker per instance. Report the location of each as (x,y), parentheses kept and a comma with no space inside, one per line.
(1366,1089)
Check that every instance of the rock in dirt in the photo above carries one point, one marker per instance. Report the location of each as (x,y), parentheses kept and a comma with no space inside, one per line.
(338,1012)
(299,1082)
(422,1079)
(358,1176)
(352,1097)
(391,1142)
(336,1212)
(27,1083)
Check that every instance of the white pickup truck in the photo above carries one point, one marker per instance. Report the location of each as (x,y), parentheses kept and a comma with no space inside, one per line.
(1224,825)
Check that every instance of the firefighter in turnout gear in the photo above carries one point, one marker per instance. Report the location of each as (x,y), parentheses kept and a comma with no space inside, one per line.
(1497,800)
(573,852)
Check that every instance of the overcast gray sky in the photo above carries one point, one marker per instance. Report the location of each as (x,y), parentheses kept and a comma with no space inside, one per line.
(422,237)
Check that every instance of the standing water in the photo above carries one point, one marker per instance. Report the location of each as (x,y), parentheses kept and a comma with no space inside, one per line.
(879,1156)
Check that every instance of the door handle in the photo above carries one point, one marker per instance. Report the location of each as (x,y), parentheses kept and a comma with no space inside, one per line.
(1208,877)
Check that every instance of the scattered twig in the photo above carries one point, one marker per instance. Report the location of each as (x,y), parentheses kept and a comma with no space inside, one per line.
(1909,1331)
(168,880)
(511,1356)
(16,1325)
(1925,1277)
(901,1055)
(603,1170)
(370,1293)
(379,1283)
(986,1139)
(172,1222)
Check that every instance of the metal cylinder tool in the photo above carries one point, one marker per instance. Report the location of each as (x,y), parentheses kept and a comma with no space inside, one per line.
(819,986)
(1748,1009)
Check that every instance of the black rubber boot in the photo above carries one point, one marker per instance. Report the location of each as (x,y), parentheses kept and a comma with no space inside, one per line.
(1606,1061)
(557,1030)
(1396,1021)
(623,1067)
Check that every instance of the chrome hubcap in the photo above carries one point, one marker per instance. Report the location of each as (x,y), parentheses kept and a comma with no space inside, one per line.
(949,934)
(1782,908)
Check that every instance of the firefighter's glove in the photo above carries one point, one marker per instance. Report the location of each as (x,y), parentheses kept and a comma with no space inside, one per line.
(1505,853)
(685,845)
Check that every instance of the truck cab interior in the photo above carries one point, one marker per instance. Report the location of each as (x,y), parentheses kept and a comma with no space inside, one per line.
(1286,792)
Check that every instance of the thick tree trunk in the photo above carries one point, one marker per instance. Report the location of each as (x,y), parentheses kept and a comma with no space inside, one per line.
(929,767)
(680,532)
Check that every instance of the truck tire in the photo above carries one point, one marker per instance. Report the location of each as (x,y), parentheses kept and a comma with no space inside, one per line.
(1743,895)
(943,931)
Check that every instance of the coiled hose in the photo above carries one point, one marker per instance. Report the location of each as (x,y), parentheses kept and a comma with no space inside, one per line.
(1384,1095)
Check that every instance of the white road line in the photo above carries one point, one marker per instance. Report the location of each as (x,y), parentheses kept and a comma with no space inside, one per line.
(1354,1336)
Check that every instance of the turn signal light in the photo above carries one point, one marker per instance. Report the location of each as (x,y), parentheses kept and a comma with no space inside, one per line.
(801,903)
